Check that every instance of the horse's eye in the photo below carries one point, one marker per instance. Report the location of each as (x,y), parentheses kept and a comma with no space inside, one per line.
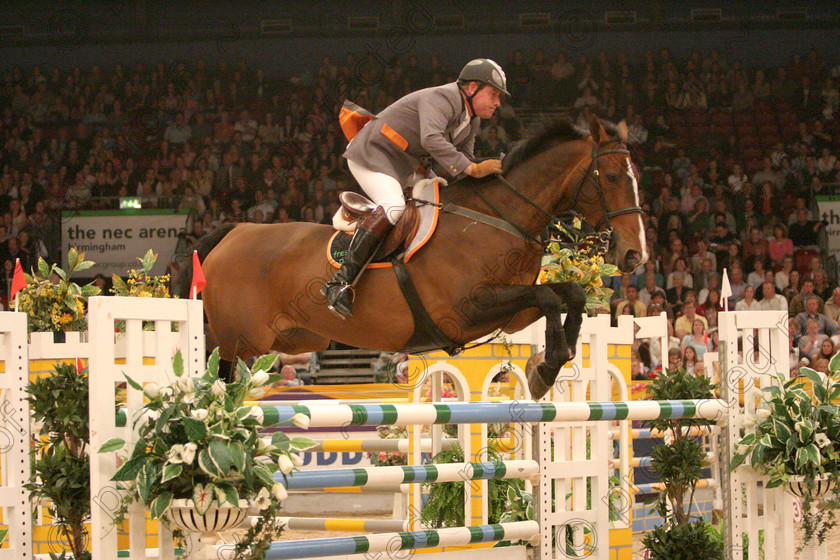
(612,178)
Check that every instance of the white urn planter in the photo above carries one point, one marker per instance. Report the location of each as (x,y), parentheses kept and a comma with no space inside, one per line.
(798,486)
(202,530)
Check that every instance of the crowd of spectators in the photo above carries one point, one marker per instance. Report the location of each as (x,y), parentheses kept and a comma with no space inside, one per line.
(723,185)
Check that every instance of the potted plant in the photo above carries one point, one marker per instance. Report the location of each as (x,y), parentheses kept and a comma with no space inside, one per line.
(52,302)
(200,454)
(796,443)
(679,464)
(60,462)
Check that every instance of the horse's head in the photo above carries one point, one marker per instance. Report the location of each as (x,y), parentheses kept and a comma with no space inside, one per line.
(608,195)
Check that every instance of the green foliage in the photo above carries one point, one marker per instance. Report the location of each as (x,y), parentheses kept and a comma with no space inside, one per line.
(60,462)
(679,465)
(578,257)
(679,384)
(798,434)
(716,534)
(140,282)
(445,506)
(198,440)
(56,307)
(671,541)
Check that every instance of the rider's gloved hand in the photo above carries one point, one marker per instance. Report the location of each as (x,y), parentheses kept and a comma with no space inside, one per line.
(484,168)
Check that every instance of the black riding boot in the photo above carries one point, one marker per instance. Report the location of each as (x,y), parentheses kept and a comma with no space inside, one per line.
(370,234)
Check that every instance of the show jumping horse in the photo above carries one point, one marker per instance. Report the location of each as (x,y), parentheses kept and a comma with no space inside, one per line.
(475,275)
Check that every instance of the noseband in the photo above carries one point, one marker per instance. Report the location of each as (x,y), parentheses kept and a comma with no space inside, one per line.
(592,171)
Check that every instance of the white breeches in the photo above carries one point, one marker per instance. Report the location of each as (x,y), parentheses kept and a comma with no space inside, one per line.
(383,190)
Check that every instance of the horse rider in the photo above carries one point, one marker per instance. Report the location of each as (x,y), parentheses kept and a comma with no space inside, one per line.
(436,123)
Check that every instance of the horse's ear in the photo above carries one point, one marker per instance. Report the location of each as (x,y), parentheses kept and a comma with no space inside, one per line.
(595,128)
(621,127)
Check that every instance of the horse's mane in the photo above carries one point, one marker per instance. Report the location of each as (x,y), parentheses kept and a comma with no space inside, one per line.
(547,133)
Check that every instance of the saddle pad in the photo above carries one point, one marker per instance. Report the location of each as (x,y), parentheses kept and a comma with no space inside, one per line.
(426,214)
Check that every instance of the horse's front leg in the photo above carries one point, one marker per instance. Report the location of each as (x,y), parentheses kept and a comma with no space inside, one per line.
(560,337)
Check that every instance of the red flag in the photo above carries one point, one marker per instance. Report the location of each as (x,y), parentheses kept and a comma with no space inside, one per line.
(79,365)
(198,281)
(18,280)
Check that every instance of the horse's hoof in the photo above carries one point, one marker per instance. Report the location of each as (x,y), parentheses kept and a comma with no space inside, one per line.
(537,386)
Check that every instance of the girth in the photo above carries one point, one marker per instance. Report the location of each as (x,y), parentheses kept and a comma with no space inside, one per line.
(427,336)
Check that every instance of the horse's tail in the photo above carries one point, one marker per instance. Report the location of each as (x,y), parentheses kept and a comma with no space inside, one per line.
(204,245)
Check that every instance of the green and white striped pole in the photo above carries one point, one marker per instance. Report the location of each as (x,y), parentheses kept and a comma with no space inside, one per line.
(346,415)
(392,542)
(412,474)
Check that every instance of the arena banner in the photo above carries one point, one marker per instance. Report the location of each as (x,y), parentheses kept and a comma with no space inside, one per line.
(828,208)
(320,460)
(114,239)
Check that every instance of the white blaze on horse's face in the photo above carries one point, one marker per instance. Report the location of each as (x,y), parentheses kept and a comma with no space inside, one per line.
(631,175)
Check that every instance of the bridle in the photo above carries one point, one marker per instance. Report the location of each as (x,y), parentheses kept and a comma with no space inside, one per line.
(592,171)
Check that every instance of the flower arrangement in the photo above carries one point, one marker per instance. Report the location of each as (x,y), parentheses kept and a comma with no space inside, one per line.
(56,307)
(198,440)
(140,281)
(797,434)
(577,256)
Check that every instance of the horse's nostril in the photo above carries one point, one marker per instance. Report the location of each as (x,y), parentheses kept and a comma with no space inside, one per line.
(632,259)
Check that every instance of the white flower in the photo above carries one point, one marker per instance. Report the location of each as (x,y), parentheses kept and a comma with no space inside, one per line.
(263,499)
(285,464)
(301,420)
(176,454)
(185,384)
(822,440)
(750,420)
(219,388)
(279,492)
(256,393)
(762,413)
(188,455)
(257,414)
(296,460)
(259,378)
(199,414)
(152,390)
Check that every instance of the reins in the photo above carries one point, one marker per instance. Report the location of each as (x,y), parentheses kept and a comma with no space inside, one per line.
(506,224)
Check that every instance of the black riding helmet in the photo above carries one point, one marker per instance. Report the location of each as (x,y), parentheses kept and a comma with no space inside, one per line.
(486,72)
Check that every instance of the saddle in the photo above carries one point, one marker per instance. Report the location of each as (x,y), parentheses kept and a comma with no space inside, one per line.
(355,207)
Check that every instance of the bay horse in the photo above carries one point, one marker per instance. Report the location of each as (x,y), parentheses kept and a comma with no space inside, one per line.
(264,281)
